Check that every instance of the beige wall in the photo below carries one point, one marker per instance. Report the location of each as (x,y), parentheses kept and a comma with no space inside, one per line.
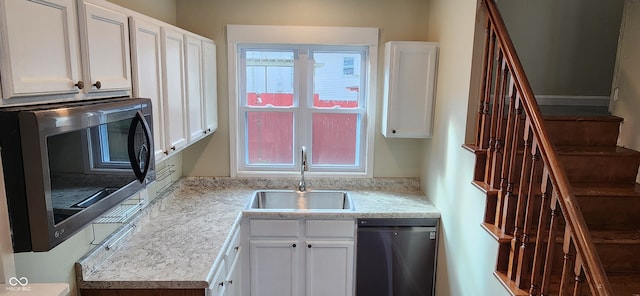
(627,79)
(566,47)
(397,20)
(467,254)
(164,10)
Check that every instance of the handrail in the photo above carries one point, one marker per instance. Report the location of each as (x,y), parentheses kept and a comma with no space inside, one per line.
(588,259)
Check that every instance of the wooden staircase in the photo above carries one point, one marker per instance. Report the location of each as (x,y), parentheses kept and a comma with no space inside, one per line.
(603,178)
(561,197)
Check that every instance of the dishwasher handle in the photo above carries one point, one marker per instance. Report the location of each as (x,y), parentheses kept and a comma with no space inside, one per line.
(398,222)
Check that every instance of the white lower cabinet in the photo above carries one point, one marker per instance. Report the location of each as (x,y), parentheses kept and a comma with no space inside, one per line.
(218,287)
(275,267)
(227,277)
(329,268)
(301,257)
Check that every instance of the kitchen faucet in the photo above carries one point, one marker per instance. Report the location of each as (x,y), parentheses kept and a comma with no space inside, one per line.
(302,186)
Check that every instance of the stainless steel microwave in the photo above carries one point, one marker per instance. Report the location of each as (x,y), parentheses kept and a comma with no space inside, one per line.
(66,164)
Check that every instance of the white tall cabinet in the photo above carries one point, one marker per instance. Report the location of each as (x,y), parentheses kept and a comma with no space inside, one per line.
(301,257)
(174,89)
(177,70)
(146,56)
(194,92)
(210,86)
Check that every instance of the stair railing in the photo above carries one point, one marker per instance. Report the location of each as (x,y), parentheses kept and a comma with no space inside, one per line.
(536,203)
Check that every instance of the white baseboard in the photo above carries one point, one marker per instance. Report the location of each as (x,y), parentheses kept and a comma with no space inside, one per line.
(562,100)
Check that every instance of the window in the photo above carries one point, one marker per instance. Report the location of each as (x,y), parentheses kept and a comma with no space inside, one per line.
(300,93)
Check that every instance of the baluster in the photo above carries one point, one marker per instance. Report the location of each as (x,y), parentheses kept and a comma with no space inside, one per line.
(489,167)
(493,113)
(556,216)
(494,154)
(497,124)
(509,163)
(482,140)
(526,249)
(568,276)
(522,196)
(540,253)
(579,276)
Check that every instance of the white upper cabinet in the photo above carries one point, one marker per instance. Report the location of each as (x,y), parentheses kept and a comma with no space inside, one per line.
(174,68)
(194,92)
(105,37)
(210,86)
(409,89)
(63,49)
(174,89)
(40,47)
(147,75)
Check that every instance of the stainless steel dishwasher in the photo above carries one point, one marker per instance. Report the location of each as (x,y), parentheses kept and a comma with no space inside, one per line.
(396,257)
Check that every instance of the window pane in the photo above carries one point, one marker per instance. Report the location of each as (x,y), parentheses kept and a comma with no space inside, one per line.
(269,78)
(269,138)
(335,139)
(336,79)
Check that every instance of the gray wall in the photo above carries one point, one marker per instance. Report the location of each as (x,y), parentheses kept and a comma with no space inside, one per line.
(566,47)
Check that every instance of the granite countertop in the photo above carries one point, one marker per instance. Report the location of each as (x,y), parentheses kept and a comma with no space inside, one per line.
(177,239)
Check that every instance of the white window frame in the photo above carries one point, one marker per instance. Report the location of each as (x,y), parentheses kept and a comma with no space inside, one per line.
(338,36)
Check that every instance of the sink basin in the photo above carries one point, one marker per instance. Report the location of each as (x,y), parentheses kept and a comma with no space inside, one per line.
(301,200)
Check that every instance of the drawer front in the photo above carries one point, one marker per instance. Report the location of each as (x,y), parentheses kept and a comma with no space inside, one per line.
(232,251)
(218,285)
(274,228)
(331,228)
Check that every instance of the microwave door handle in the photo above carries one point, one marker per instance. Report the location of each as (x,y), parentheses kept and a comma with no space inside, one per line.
(135,161)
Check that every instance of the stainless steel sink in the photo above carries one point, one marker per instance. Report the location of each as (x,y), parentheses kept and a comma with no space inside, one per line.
(323,200)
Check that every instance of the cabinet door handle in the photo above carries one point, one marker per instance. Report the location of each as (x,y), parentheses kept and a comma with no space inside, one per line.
(98,84)
(173,147)
(166,152)
(393,131)
(221,284)
(79,85)
(294,245)
(309,246)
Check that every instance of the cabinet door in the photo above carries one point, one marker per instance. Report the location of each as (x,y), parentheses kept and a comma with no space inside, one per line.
(409,89)
(30,27)
(193,60)
(233,277)
(173,89)
(329,268)
(210,86)
(106,60)
(147,75)
(274,267)
(218,285)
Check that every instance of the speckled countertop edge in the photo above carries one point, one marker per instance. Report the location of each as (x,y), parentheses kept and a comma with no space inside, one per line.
(154,253)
